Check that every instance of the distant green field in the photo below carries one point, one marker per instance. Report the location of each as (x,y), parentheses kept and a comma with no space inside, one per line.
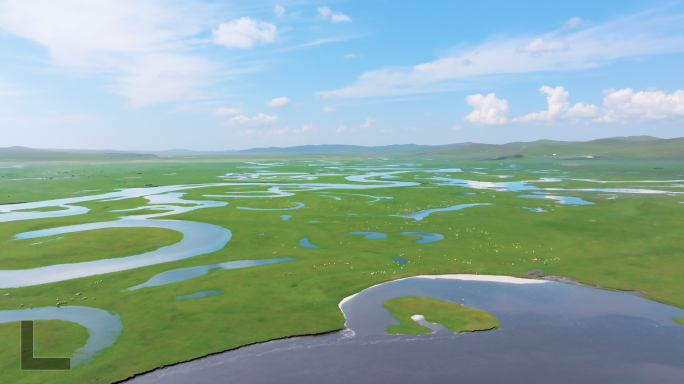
(454,317)
(624,241)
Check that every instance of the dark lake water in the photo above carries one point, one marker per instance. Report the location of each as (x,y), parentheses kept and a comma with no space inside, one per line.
(550,333)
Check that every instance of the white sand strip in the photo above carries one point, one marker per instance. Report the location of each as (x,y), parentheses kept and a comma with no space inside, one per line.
(497,279)
(493,278)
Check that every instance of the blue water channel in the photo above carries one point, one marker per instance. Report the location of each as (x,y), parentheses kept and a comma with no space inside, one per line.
(370,235)
(196,295)
(534,209)
(299,205)
(420,215)
(427,237)
(566,200)
(182,274)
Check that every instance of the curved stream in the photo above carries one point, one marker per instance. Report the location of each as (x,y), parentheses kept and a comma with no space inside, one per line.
(198,239)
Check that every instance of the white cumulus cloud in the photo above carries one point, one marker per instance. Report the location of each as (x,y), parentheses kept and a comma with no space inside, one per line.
(260,119)
(626,104)
(337,17)
(244,32)
(370,120)
(279,10)
(489,110)
(559,107)
(619,106)
(278,102)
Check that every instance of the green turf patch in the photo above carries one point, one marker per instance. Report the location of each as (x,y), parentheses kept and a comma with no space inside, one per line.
(453,316)
(52,338)
(42,209)
(678,320)
(83,246)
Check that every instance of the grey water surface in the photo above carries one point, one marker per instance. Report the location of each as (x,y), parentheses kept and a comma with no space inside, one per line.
(550,333)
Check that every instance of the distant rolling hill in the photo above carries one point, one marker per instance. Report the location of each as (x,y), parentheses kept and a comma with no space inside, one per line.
(635,147)
(355,149)
(12,154)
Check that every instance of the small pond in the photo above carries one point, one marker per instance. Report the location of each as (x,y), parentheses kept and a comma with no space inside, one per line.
(566,200)
(304,242)
(427,237)
(196,295)
(370,235)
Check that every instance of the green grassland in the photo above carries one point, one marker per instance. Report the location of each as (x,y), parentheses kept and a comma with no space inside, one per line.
(454,317)
(630,242)
(678,321)
(84,246)
(52,338)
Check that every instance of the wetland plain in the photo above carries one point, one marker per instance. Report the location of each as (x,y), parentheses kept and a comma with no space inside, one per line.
(194,257)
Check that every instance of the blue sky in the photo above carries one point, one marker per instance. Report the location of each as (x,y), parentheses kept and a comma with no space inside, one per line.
(215,75)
